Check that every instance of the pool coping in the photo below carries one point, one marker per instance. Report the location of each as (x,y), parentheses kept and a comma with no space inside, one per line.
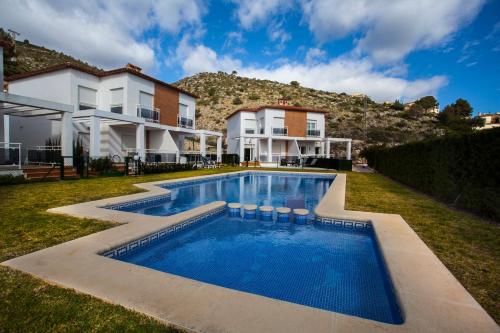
(430,297)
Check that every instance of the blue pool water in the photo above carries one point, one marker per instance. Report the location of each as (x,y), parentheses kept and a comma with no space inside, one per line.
(332,268)
(278,189)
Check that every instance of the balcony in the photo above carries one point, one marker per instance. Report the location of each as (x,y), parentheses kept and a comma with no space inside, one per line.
(148,113)
(185,122)
(280,131)
(313,132)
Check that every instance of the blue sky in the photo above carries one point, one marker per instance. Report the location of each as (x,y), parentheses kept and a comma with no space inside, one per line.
(387,49)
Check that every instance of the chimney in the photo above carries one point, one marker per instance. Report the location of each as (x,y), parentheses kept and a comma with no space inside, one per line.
(282,101)
(133,67)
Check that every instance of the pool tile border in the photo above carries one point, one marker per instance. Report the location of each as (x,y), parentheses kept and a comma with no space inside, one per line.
(139,243)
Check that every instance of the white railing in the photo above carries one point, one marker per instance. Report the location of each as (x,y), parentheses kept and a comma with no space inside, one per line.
(150,114)
(10,154)
(185,122)
(249,130)
(313,132)
(162,156)
(279,131)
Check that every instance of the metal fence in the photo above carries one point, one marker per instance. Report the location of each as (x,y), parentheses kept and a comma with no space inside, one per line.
(10,155)
(43,155)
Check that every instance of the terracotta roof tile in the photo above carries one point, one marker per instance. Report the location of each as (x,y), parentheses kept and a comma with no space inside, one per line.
(94,72)
(278,107)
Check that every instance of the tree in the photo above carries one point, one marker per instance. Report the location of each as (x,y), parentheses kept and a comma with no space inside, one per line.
(295,83)
(234,73)
(427,102)
(415,111)
(397,105)
(457,117)
(237,101)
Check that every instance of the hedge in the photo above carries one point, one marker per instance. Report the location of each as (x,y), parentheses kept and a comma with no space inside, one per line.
(149,168)
(459,170)
(231,159)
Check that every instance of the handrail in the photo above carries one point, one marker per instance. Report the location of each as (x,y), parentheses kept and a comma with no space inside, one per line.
(279,131)
(150,114)
(313,132)
(186,122)
(12,146)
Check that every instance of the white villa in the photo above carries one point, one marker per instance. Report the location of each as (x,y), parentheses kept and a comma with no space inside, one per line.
(270,133)
(116,113)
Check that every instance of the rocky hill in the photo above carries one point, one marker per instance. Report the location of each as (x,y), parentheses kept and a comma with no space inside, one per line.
(349,116)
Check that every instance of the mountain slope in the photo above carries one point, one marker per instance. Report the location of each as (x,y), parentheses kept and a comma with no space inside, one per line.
(221,93)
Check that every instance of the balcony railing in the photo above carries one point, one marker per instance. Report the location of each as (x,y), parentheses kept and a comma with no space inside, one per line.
(185,122)
(281,131)
(148,113)
(313,132)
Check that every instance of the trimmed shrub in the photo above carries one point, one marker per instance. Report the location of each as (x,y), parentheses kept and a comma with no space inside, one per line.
(101,164)
(459,170)
(11,180)
(230,159)
(149,168)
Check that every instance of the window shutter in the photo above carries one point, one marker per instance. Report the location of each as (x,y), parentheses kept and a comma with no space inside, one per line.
(87,96)
(146,100)
(183,110)
(117,96)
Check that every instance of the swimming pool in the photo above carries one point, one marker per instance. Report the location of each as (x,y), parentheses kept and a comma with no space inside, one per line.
(332,268)
(273,189)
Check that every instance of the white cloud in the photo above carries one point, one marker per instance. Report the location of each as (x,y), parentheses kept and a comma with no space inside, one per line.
(314,54)
(251,12)
(199,58)
(277,34)
(389,30)
(104,33)
(338,74)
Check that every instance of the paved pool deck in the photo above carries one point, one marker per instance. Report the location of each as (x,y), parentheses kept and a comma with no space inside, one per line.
(431,299)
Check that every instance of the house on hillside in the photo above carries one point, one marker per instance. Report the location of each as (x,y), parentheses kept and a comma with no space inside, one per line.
(272,133)
(491,120)
(116,113)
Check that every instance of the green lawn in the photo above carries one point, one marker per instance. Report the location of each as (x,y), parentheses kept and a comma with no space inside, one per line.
(468,246)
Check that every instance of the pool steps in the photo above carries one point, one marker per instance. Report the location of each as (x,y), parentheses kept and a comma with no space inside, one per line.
(300,215)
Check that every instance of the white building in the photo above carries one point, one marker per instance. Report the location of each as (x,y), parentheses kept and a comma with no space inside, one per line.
(271,133)
(116,113)
(491,120)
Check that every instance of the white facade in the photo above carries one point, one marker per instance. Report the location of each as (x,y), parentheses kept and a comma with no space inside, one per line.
(105,128)
(262,135)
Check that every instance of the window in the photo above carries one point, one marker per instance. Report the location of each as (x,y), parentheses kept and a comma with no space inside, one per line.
(87,98)
(183,110)
(278,126)
(116,105)
(278,122)
(146,100)
(145,108)
(311,124)
(250,126)
(311,128)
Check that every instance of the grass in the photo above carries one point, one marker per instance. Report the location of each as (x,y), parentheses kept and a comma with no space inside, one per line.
(468,246)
